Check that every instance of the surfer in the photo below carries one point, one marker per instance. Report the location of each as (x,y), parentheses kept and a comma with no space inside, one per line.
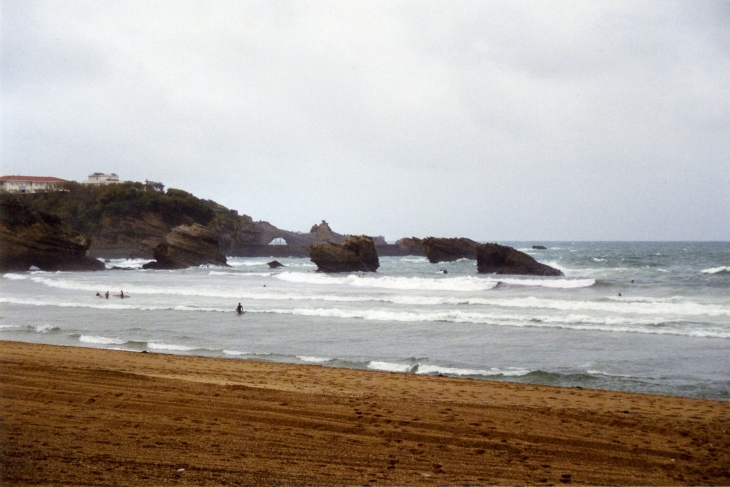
(107,295)
(239,309)
(121,294)
(98,295)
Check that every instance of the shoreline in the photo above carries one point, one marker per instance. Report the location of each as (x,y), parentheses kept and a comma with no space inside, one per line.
(74,415)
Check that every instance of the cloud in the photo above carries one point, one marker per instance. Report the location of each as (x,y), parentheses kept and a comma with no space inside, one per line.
(498,120)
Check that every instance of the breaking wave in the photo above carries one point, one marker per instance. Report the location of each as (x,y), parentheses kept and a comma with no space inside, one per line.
(462,283)
(716,270)
(427,369)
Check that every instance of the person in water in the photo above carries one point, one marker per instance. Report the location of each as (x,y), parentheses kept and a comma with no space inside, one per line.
(98,295)
(121,294)
(107,295)
(239,309)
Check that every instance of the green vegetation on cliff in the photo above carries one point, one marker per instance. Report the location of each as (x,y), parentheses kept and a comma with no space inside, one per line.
(85,207)
(130,211)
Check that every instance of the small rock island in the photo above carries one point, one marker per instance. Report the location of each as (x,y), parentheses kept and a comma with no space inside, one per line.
(355,254)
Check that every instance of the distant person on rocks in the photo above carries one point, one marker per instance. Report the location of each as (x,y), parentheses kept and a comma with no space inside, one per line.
(239,309)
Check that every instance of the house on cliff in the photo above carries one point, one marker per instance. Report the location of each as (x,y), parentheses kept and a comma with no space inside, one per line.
(29,184)
(101,178)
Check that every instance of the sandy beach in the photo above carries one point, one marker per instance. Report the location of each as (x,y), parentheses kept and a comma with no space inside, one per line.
(89,416)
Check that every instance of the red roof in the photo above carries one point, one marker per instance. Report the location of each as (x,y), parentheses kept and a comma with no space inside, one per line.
(33,179)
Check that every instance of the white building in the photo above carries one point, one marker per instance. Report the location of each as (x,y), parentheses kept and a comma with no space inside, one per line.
(101,178)
(29,184)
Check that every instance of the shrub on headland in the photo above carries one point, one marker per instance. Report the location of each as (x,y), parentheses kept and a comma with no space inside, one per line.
(86,208)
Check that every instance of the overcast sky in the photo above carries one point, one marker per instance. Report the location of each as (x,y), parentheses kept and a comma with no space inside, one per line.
(572,120)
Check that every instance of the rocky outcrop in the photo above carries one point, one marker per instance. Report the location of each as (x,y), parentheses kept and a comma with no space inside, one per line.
(439,249)
(352,255)
(448,249)
(275,264)
(188,246)
(247,238)
(500,259)
(539,247)
(36,239)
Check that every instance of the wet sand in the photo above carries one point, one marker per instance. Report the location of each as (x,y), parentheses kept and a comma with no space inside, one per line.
(88,416)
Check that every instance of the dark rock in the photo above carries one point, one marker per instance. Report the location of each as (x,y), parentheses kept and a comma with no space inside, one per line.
(448,249)
(410,246)
(275,264)
(539,247)
(187,246)
(500,259)
(37,239)
(353,255)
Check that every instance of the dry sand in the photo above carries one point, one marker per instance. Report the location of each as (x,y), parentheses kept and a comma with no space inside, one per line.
(87,416)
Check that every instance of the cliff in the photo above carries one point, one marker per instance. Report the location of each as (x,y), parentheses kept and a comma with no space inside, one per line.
(30,238)
(131,219)
(126,219)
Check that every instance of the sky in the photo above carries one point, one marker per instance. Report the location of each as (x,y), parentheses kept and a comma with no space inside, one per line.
(493,120)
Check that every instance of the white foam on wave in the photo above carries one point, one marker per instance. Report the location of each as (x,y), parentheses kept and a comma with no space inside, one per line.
(428,369)
(97,340)
(169,346)
(316,360)
(715,270)
(436,369)
(658,326)
(15,277)
(104,305)
(237,353)
(637,305)
(390,367)
(461,283)
(390,282)
(45,328)
(234,353)
(126,263)
(415,260)
(240,274)
(245,263)
(550,283)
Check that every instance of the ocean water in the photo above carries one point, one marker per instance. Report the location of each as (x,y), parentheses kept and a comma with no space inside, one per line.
(645,317)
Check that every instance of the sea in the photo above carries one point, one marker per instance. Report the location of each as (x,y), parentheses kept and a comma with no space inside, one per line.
(650,317)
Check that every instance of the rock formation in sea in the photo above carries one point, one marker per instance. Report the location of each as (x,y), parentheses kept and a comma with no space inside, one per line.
(352,255)
(500,259)
(187,246)
(30,238)
(275,264)
(539,247)
(439,249)
(448,249)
